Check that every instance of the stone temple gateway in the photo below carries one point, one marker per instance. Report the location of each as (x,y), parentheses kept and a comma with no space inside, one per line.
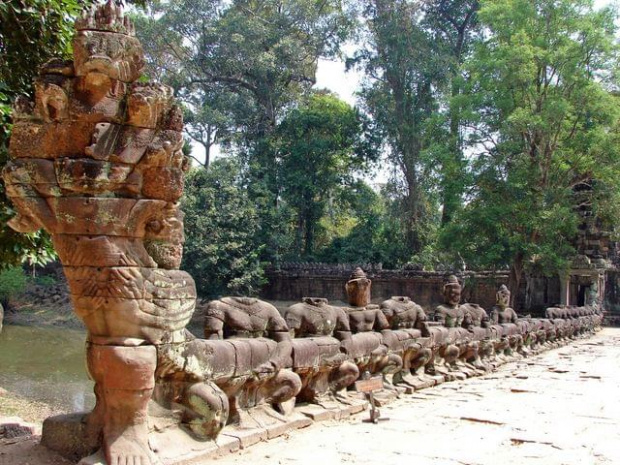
(96,161)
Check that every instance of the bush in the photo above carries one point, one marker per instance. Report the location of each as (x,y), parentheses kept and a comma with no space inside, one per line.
(13,281)
(45,281)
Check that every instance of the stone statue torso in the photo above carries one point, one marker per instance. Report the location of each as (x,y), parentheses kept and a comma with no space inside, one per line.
(477,315)
(503,315)
(450,317)
(314,317)
(369,318)
(402,312)
(244,317)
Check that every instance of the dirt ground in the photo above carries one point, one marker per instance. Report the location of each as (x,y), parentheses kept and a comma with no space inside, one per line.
(558,408)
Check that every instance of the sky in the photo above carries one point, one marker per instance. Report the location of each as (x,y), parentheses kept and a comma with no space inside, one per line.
(332,75)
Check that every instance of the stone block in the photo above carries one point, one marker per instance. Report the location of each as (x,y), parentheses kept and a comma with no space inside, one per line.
(66,435)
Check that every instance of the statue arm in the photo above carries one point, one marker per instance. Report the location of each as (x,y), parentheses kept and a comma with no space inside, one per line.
(277,328)
(387,310)
(381,322)
(214,318)
(485,321)
(293,319)
(421,323)
(342,331)
(439,316)
(467,321)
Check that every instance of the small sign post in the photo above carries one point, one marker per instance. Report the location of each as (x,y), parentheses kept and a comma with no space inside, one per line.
(368,385)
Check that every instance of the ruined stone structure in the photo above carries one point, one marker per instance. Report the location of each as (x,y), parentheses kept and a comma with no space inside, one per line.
(96,161)
(294,280)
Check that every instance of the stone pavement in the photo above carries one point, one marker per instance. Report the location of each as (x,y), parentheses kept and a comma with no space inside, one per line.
(557,408)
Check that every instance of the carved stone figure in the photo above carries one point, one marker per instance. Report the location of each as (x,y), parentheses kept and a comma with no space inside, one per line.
(409,329)
(323,368)
(366,321)
(96,161)
(475,316)
(358,288)
(244,317)
(502,314)
(250,318)
(450,314)
(476,321)
(314,317)
(402,312)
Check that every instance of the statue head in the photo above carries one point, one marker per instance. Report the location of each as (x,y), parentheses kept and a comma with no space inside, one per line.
(105,45)
(452,291)
(358,288)
(358,273)
(502,298)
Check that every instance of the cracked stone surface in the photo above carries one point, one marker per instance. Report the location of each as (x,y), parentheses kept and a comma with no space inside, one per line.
(556,408)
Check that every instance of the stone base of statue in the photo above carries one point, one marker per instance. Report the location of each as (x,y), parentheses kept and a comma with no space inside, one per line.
(170,441)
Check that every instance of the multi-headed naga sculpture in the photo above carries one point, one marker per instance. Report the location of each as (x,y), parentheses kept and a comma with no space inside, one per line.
(96,161)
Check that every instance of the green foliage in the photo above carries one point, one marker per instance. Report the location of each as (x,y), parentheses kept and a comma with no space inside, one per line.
(320,144)
(32,32)
(239,65)
(221,223)
(546,126)
(45,281)
(362,229)
(412,58)
(12,282)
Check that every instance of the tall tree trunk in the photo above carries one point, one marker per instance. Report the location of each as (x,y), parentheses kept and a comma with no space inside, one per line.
(514,279)
(452,170)
(299,233)
(309,239)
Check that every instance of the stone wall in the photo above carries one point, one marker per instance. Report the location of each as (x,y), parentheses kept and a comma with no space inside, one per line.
(612,298)
(299,280)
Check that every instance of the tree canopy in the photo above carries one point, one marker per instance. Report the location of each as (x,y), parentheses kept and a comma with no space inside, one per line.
(496,119)
(544,126)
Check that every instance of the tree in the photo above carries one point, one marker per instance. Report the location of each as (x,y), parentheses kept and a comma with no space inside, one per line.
(266,52)
(545,123)
(321,147)
(259,59)
(365,229)
(454,26)
(221,223)
(404,74)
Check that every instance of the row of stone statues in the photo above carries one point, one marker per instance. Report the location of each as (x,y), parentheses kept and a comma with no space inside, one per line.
(396,337)
(96,161)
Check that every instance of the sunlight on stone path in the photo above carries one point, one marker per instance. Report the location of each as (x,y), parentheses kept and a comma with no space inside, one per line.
(560,407)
